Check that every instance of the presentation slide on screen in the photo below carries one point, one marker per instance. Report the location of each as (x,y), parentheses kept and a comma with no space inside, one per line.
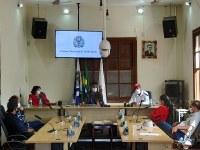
(78,44)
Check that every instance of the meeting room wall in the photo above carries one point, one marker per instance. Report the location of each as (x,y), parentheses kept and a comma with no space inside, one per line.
(190,22)
(13,51)
(56,76)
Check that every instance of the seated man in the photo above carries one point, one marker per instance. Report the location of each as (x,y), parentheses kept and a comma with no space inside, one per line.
(182,131)
(95,96)
(36,124)
(13,124)
(139,96)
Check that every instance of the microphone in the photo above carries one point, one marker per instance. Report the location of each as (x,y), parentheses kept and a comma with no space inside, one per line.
(65,110)
(38,117)
(141,109)
(53,109)
(55,113)
(52,130)
(138,111)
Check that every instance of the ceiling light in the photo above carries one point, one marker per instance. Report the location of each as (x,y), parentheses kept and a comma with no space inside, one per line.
(19,4)
(101,5)
(187,2)
(140,10)
(66,11)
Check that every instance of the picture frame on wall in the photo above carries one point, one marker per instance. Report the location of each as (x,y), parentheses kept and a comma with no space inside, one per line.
(149,49)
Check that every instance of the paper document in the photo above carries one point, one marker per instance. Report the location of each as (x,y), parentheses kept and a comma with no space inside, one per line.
(149,134)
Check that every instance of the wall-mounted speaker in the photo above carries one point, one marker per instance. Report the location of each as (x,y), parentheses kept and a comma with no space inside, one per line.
(39,28)
(170,27)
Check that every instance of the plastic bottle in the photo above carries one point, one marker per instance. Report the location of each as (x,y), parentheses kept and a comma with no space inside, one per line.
(40,103)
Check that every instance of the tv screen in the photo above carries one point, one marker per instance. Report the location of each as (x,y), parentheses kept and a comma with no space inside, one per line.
(77,44)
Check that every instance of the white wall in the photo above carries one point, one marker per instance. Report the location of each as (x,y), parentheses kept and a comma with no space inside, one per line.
(191,21)
(56,75)
(13,50)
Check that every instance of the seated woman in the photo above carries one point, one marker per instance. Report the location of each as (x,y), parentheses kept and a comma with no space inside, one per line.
(38,96)
(182,131)
(162,112)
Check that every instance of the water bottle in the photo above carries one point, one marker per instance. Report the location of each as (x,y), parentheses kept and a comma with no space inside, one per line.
(30,102)
(40,103)
(79,116)
(73,103)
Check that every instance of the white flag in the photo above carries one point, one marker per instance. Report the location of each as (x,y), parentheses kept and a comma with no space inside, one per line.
(102,85)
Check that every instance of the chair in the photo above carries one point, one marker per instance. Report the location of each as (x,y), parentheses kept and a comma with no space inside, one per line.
(150,94)
(99,128)
(150,97)
(14,142)
(194,139)
(171,116)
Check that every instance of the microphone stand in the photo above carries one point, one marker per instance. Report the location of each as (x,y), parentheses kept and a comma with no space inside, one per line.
(50,131)
(138,112)
(65,110)
(61,121)
(141,109)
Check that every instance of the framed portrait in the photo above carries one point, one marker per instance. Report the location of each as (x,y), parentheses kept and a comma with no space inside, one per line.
(149,49)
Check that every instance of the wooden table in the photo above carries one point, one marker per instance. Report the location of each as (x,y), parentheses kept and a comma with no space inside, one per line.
(160,142)
(92,112)
(43,139)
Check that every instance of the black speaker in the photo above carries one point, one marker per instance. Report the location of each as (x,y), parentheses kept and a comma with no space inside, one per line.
(170,27)
(172,90)
(39,28)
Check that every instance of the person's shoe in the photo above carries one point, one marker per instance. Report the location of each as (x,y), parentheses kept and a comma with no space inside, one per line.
(187,144)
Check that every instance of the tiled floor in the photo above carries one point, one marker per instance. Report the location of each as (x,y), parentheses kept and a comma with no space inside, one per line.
(116,146)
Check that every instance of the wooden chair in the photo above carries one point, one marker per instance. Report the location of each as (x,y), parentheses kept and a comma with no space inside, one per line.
(101,127)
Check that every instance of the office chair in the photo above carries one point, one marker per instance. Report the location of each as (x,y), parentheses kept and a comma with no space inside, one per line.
(171,116)
(14,142)
(99,127)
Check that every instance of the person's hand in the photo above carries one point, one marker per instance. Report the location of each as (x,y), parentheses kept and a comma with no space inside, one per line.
(134,104)
(174,129)
(31,130)
(21,108)
(175,124)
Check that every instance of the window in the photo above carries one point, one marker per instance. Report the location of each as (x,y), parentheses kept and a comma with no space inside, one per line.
(120,69)
(196,63)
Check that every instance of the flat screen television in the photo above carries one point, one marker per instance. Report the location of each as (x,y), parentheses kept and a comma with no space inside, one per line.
(77,44)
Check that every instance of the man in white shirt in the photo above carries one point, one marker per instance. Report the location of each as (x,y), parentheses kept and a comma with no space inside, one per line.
(139,96)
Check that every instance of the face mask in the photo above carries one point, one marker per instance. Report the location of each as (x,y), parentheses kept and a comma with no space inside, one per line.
(38,92)
(190,110)
(94,89)
(137,91)
(19,105)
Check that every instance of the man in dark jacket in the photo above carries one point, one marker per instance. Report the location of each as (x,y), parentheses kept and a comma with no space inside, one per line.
(13,124)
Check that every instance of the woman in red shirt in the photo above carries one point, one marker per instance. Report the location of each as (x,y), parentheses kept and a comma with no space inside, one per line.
(37,96)
(162,112)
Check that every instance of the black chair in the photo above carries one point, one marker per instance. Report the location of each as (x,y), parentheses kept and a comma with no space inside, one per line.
(171,117)
(99,128)
(14,142)
(150,94)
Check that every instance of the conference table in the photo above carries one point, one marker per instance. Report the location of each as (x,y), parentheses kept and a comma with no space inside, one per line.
(58,139)
(93,113)
(154,136)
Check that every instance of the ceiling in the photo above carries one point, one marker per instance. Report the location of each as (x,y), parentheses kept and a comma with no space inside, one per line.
(110,2)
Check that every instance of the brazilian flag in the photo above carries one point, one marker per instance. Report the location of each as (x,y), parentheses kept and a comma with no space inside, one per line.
(85,82)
